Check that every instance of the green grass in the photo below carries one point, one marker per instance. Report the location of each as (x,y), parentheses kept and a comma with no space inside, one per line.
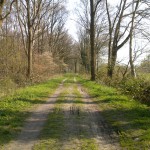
(14,109)
(146,76)
(129,118)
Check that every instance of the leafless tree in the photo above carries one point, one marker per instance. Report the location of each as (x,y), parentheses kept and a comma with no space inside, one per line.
(133,74)
(89,18)
(119,33)
(93,8)
(2,4)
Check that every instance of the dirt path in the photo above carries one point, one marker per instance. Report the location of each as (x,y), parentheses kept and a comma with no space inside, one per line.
(34,124)
(84,127)
(104,136)
(70,137)
(84,124)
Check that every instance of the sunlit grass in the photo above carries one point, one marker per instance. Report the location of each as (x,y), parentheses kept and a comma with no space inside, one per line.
(129,118)
(15,108)
(52,132)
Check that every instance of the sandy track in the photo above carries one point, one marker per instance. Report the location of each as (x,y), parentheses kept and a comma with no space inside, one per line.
(97,127)
(34,124)
(70,139)
(83,120)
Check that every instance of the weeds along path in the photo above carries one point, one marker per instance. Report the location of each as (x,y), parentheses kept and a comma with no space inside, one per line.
(34,124)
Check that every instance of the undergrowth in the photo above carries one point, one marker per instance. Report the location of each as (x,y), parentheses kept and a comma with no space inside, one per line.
(138,88)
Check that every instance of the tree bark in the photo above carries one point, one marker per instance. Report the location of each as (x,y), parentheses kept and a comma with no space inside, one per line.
(1,10)
(92,40)
(29,70)
(29,40)
(112,63)
(75,66)
(133,73)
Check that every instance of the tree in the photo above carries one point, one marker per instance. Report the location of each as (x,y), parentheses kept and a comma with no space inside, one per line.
(30,17)
(33,32)
(145,65)
(89,16)
(133,74)
(119,33)
(84,48)
(93,9)
(2,3)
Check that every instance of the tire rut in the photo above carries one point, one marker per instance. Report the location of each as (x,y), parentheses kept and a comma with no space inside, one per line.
(104,136)
(70,140)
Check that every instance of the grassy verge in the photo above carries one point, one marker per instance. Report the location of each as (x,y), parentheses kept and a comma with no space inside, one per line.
(15,108)
(128,117)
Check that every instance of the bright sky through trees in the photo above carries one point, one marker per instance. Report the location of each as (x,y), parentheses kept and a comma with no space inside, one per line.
(71,23)
(72,29)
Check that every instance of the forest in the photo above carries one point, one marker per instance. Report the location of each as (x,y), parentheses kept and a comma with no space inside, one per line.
(36,48)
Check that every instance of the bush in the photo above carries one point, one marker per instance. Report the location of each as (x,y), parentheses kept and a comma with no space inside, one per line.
(7,86)
(44,67)
(139,88)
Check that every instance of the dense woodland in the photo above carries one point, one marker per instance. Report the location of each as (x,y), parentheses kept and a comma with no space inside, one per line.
(35,44)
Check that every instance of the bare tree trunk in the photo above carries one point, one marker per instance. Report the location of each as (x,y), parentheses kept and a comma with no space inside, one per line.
(75,66)
(6,44)
(133,74)
(114,37)
(109,70)
(29,70)
(92,40)
(29,41)
(1,9)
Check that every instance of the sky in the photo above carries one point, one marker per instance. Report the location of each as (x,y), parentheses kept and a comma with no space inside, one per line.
(71,25)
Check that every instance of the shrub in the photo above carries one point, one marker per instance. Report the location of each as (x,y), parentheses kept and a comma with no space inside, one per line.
(7,86)
(139,88)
